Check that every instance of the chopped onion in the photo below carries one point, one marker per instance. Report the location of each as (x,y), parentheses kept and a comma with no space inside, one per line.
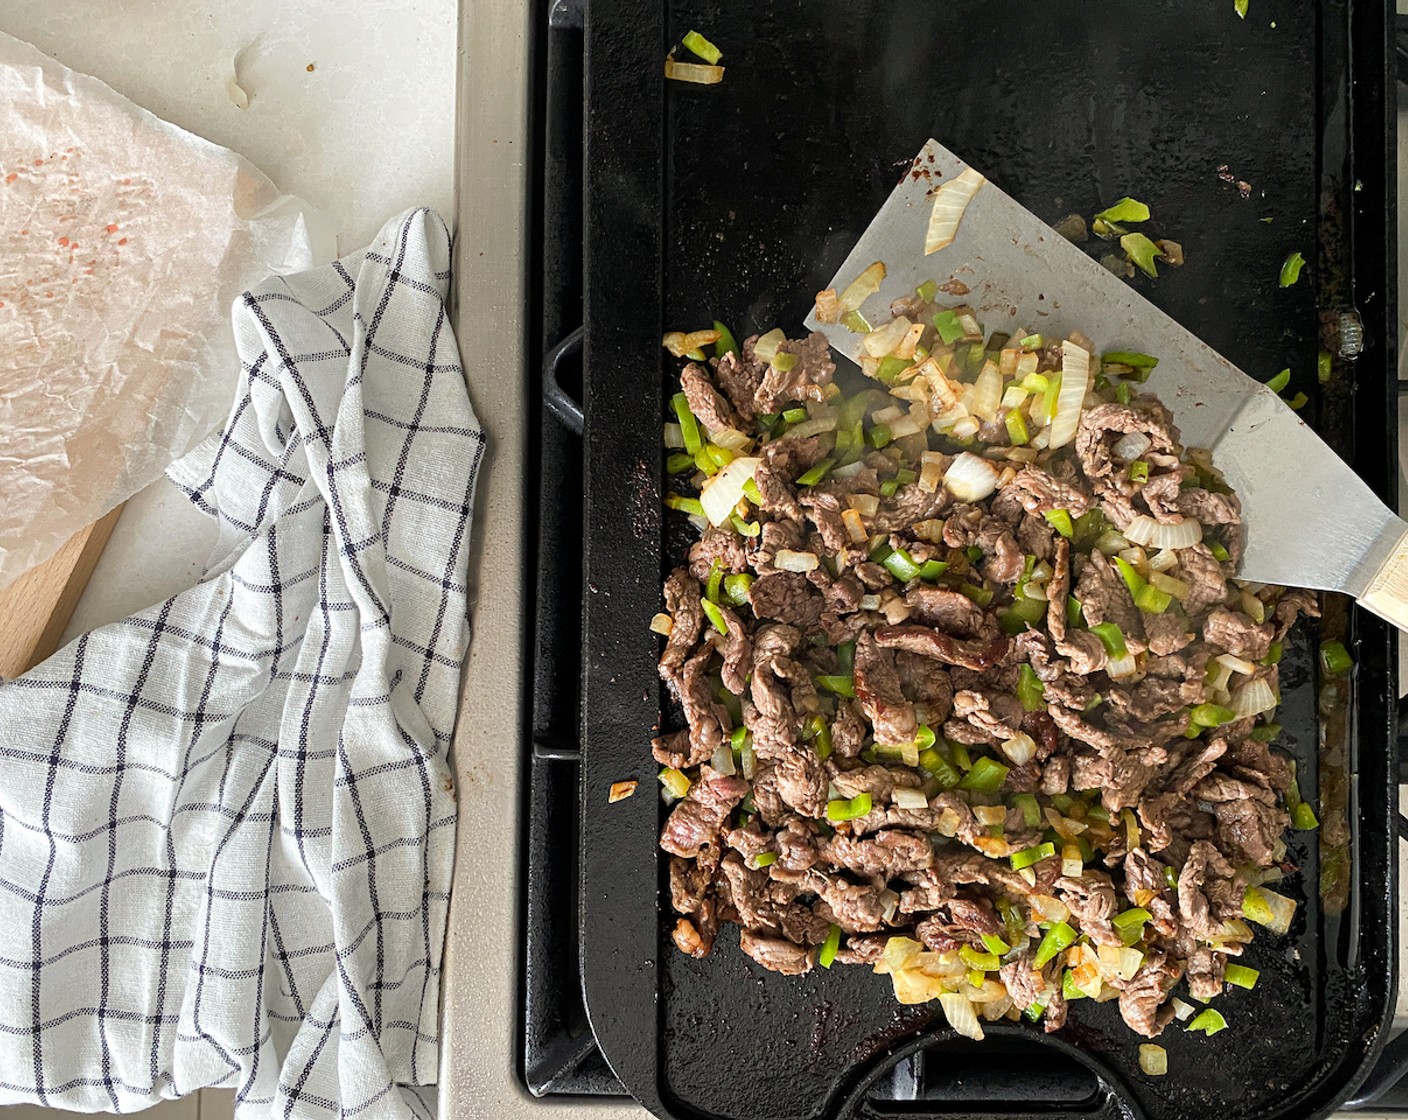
(989,814)
(1130,446)
(895,609)
(1021,749)
(1282,910)
(700,523)
(674,436)
(966,428)
(1120,961)
(1158,534)
(949,204)
(730,439)
(867,505)
(861,288)
(971,478)
(906,798)
(725,490)
(1119,668)
(944,390)
(750,759)
(1075,383)
(812,427)
(931,530)
(1168,584)
(987,392)
(693,72)
(1255,608)
(909,343)
(722,760)
(929,477)
(891,901)
(1218,681)
(765,349)
(870,602)
(1050,908)
(960,1015)
(828,307)
(786,560)
(1182,1011)
(621,790)
(1111,543)
(850,470)
(1163,560)
(1072,866)
(1253,698)
(885,415)
(855,527)
(884,340)
(1153,1060)
(905,426)
(1237,664)
(948,822)
(662,624)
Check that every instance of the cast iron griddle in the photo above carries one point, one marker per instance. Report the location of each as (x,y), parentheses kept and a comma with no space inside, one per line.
(739,201)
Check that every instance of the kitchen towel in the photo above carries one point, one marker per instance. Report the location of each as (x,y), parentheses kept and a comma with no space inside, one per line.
(227,822)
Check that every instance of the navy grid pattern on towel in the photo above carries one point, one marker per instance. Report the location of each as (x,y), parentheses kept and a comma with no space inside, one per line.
(226,823)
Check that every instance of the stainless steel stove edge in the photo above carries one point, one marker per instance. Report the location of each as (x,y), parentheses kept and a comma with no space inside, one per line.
(479,1052)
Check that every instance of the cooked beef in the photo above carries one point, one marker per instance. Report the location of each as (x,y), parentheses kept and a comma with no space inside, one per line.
(804,381)
(739,378)
(787,597)
(886,854)
(705,401)
(683,603)
(877,686)
(846,675)
(722,545)
(1238,634)
(696,823)
(776,954)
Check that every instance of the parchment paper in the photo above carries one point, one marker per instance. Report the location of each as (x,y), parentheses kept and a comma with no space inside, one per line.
(123,242)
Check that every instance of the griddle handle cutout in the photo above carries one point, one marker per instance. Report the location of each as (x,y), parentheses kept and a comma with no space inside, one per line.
(557,400)
(1013,1073)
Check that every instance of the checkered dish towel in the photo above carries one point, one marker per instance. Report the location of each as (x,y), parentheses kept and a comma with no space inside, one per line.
(226,823)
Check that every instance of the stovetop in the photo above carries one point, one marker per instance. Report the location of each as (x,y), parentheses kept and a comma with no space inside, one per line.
(518,854)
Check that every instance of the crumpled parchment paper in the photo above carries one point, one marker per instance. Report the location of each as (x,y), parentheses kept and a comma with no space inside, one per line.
(124,241)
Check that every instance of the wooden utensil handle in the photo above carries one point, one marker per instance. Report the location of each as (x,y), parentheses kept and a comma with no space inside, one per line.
(1387,596)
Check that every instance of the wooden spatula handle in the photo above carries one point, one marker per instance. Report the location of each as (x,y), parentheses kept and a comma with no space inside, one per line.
(1387,596)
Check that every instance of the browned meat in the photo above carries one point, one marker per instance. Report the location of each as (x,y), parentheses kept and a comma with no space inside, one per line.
(886,854)
(877,685)
(783,461)
(775,953)
(723,545)
(959,921)
(696,824)
(803,381)
(1142,1001)
(705,401)
(787,597)
(1238,634)
(683,603)
(928,857)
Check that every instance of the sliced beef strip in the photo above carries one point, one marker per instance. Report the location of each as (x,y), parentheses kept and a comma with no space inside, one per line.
(781,461)
(1041,493)
(1203,868)
(910,504)
(801,780)
(994,718)
(723,545)
(848,730)
(888,853)
(696,823)
(976,653)
(776,954)
(1198,567)
(776,535)
(798,844)
(1250,829)
(1105,598)
(1024,981)
(786,597)
(690,881)
(1291,605)
(683,602)
(1255,763)
(1238,634)
(705,401)
(855,907)
(927,684)
(1167,633)
(737,652)
(878,781)
(972,526)
(804,381)
(739,378)
(1204,972)
(768,905)
(1142,1000)
(1091,898)
(950,611)
(1145,885)
(771,716)
(863,948)
(674,750)
(709,721)
(959,921)
(877,687)
(824,511)
(1152,698)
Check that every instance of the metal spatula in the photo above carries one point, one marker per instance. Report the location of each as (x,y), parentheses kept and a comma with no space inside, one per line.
(1309,520)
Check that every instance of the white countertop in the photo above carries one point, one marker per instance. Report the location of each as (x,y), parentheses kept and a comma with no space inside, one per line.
(351,107)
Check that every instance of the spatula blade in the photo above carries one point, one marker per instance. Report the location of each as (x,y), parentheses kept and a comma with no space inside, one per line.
(1310,520)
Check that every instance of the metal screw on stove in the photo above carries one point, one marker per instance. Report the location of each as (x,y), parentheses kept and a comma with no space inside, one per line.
(1351,334)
